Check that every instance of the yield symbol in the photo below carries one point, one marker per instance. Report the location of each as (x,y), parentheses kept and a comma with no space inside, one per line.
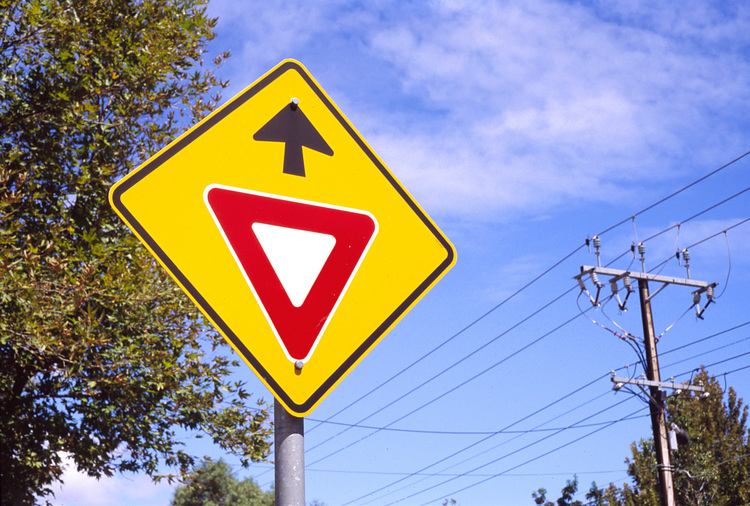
(291,126)
(297,256)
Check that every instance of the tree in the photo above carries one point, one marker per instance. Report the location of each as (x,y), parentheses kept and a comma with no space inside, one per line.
(102,357)
(214,484)
(566,496)
(713,468)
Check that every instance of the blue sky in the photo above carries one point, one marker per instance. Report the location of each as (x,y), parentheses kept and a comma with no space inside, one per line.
(521,128)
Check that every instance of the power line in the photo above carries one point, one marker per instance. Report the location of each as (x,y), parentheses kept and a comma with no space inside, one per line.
(487,313)
(376,430)
(468,433)
(448,475)
(464,358)
(707,352)
(724,231)
(505,473)
(698,214)
(424,405)
(728,359)
(476,443)
(704,338)
(676,193)
(541,456)
(475,469)
(451,338)
(632,416)
(513,295)
(487,450)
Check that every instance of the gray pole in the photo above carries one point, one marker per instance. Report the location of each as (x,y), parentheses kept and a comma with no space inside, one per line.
(289,462)
(658,420)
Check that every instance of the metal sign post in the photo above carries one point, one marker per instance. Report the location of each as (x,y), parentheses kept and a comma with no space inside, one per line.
(289,450)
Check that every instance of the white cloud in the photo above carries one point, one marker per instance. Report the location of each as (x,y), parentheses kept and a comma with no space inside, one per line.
(553,102)
(79,489)
(495,108)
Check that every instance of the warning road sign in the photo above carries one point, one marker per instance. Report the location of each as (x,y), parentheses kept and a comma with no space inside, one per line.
(288,232)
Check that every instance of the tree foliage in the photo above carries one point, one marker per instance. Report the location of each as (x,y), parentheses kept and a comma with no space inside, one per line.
(566,495)
(713,468)
(214,484)
(102,357)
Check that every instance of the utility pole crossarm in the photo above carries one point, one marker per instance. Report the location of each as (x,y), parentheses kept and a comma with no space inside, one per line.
(620,382)
(588,269)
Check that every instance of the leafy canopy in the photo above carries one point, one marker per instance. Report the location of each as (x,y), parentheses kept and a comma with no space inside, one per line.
(102,357)
(214,484)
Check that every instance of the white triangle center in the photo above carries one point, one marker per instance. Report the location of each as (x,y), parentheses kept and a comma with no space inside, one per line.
(297,256)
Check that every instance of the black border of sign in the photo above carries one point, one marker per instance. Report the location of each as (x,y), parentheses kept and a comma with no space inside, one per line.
(199,130)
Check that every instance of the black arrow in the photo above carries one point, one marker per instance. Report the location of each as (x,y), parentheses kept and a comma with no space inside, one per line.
(292,127)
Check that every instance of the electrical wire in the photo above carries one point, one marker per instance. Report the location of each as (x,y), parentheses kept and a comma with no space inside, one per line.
(729,270)
(532,459)
(674,248)
(525,287)
(451,338)
(456,453)
(681,347)
(452,389)
(424,405)
(710,237)
(467,433)
(698,214)
(506,473)
(626,337)
(523,463)
(543,274)
(534,280)
(657,338)
(442,475)
(728,359)
(707,352)
(435,376)
(659,202)
(473,471)
(725,374)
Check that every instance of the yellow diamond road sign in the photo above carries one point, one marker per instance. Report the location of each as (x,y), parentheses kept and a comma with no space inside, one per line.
(288,232)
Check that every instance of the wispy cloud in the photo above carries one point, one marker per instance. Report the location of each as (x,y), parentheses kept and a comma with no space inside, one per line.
(509,107)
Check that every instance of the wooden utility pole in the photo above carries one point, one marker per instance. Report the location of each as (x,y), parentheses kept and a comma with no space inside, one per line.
(656,400)
(657,396)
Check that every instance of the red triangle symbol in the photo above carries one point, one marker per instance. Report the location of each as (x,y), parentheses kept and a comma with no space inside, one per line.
(297,315)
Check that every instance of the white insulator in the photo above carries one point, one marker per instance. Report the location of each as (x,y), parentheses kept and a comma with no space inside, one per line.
(641,249)
(595,278)
(597,242)
(686,255)
(626,282)
(580,283)
(613,286)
